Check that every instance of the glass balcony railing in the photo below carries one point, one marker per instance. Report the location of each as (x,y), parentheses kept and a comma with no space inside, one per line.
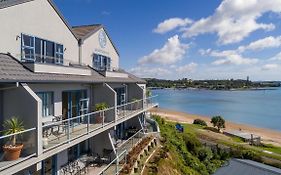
(116,165)
(37,58)
(24,148)
(131,142)
(63,131)
(136,106)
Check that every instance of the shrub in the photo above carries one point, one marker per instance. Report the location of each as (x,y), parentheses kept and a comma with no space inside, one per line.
(204,154)
(218,122)
(200,122)
(191,142)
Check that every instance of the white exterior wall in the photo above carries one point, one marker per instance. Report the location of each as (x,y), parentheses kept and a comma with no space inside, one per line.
(91,45)
(58,89)
(36,18)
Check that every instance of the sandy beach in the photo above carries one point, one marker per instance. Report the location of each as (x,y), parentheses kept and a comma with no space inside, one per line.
(267,135)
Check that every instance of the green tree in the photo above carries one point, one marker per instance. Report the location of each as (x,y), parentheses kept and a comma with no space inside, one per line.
(218,122)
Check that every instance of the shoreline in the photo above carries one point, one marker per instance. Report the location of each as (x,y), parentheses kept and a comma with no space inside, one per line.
(232,89)
(268,136)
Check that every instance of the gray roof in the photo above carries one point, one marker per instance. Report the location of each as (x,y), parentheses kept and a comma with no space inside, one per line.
(85,31)
(9,3)
(11,70)
(82,32)
(247,167)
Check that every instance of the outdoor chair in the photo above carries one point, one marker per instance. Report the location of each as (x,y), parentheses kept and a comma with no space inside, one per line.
(59,128)
(106,155)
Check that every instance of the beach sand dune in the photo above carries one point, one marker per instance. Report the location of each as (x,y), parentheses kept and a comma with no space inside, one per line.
(268,136)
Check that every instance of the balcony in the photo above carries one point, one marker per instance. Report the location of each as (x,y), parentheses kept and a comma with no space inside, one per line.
(111,72)
(72,131)
(89,164)
(127,145)
(64,131)
(54,65)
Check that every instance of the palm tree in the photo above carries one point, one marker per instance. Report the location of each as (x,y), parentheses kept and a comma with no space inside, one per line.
(13,126)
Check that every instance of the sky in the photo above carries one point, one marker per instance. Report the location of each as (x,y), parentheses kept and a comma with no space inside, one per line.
(199,39)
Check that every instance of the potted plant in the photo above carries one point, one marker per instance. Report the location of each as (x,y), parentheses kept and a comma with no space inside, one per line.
(12,150)
(100,107)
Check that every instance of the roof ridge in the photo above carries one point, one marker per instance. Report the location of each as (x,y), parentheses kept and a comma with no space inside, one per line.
(87,25)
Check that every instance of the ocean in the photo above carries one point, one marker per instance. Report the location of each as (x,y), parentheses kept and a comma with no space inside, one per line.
(261,108)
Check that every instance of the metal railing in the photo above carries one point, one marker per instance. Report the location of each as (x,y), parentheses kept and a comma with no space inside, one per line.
(131,142)
(135,106)
(116,165)
(37,58)
(27,138)
(66,130)
(57,133)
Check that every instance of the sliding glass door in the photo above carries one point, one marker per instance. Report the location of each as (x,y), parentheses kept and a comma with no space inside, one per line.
(75,103)
(121,95)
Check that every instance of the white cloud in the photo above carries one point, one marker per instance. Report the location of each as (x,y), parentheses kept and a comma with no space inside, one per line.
(204,52)
(269,67)
(277,57)
(171,24)
(234,20)
(268,42)
(170,53)
(150,72)
(191,67)
(234,59)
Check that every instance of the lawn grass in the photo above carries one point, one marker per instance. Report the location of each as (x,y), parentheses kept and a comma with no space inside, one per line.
(236,141)
(211,136)
(272,148)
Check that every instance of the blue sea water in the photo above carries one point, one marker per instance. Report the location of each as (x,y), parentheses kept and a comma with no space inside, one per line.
(261,108)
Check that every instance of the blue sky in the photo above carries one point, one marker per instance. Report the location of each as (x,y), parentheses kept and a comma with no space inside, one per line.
(215,39)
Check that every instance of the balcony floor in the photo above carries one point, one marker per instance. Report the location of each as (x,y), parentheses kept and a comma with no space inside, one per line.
(75,132)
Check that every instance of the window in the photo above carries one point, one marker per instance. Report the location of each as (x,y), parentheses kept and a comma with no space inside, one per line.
(59,54)
(47,103)
(28,48)
(50,52)
(43,51)
(39,51)
(101,62)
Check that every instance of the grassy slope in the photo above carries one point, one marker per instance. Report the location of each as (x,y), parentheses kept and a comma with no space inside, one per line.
(181,158)
(181,161)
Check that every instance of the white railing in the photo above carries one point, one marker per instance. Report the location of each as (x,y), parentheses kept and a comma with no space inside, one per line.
(135,106)
(42,59)
(116,165)
(27,138)
(131,142)
(64,131)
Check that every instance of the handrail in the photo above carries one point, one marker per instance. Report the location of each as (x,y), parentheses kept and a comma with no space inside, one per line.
(117,158)
(22,132)
(80,116)
(129,139)
(95,112)
(137,101)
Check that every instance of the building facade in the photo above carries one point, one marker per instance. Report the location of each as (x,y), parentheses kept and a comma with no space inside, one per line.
(65,84)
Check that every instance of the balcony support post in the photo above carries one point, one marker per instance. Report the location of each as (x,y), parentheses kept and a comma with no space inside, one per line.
(88,123)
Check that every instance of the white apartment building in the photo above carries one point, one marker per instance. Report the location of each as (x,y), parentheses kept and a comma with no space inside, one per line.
(65,84)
